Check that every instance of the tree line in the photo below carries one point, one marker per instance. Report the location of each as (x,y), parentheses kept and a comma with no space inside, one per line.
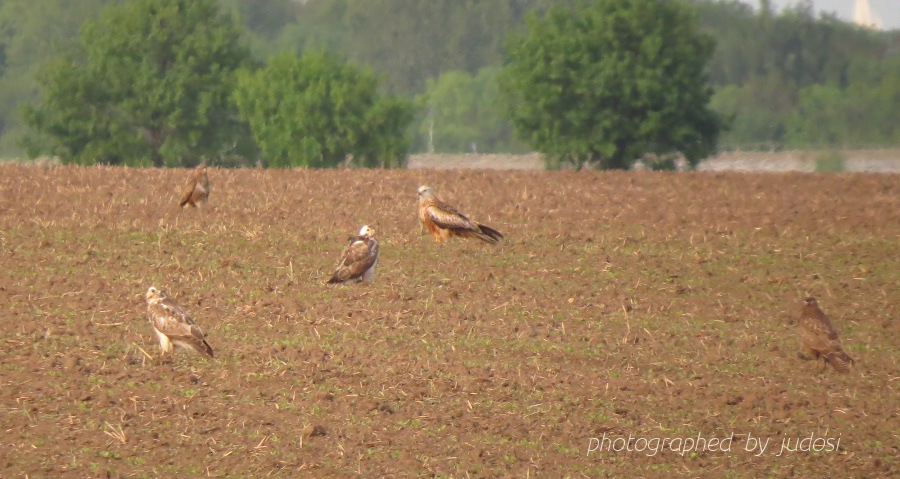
(398,76)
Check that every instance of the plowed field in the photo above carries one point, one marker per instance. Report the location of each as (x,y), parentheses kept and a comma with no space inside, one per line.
(631,324)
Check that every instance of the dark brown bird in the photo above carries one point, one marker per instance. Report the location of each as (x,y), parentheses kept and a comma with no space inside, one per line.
(820,338)
(196,189)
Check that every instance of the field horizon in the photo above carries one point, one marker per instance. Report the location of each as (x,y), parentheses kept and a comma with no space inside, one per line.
(869,160)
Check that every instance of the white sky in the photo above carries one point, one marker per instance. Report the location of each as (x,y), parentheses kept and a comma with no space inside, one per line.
(886,10)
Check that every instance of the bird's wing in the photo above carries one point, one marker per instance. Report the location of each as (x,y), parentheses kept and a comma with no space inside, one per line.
(818,334)
(188,191)
(359,256)
(447,217)
(172,320)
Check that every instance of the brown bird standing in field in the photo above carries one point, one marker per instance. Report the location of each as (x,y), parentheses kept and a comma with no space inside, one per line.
(444,221)
(820,337)
(359,259)
(173,325)
(196,189)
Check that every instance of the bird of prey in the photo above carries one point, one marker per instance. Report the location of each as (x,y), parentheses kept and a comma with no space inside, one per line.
(196,189)
(444,221)
(359,258)
(820,338)
(173,325)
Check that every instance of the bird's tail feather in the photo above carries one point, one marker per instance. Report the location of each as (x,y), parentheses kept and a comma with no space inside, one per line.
(207,349)
(840,360)
(489,234)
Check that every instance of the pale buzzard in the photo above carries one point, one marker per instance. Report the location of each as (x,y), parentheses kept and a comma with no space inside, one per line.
(173,325)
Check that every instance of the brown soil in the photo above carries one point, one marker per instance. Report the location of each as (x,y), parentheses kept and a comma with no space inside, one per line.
(650,305)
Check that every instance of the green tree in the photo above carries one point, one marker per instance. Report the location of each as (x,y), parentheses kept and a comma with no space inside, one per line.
(463,112)
(410,41)
(607,83)
(317,111)
(263,21)
(764,62)
(30,33)
(864,114)
(151,87)
(818,118)
(757,111)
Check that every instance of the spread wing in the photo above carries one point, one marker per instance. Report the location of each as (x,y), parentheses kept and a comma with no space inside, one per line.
(360,255)
(171,319)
